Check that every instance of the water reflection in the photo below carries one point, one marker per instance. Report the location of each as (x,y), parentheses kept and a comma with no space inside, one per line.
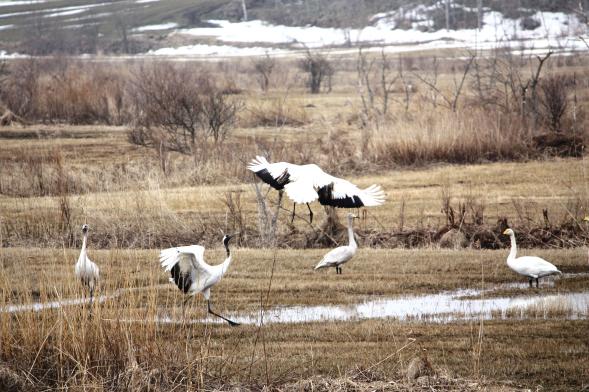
(447,306)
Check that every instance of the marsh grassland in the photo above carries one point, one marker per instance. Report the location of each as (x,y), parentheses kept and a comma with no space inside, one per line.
(468,171)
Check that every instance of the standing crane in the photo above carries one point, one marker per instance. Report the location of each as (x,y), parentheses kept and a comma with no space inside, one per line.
(304,184)
(86,270)
(342,254)
(192,274)
(532,267)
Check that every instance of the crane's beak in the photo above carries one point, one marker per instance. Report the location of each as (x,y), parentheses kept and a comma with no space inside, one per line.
(506,232)
(229,236)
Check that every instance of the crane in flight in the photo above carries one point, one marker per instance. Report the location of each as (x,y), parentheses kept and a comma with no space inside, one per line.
(304,184)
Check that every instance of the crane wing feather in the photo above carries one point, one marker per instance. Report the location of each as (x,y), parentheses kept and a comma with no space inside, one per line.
(187,267)
(342,193)
(277,175)
(307,183)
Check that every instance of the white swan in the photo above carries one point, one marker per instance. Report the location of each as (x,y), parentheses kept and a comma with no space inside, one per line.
(531,266)
(342,254)
(86,270)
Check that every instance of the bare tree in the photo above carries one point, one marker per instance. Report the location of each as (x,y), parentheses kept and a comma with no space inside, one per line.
(176,108)
(451,100)
(264,67)
(554,100)
(319,69)
(244,9)
(219,113)
(166,98)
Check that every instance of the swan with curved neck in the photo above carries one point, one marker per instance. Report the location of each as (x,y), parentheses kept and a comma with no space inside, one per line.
(342,254)
(86,270)
(532,267)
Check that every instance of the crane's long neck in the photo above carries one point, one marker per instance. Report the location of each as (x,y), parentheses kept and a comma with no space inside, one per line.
(351,234)
(227,262)
(513,251)
(83,251)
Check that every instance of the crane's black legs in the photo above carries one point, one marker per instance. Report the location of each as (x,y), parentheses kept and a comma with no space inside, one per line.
(537,282)
(232,323)
(294,205)
(531,283)
(338,270)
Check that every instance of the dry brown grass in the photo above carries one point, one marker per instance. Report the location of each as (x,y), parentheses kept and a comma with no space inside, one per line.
(67,347)
(53,178)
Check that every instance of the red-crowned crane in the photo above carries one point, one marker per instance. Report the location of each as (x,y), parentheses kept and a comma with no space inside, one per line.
(192,275)
(86,270)
(304,184)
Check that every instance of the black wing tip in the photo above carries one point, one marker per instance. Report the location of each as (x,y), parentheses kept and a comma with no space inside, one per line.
(276,183)
(182,281)
(326,198)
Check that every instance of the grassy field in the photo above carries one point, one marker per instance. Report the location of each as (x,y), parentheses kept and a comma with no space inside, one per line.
(56,176)
(66,347)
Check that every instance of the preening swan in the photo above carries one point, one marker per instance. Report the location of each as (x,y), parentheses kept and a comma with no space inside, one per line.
(304,184)
(531,266)
(192,275)
(86,270)
(342,254)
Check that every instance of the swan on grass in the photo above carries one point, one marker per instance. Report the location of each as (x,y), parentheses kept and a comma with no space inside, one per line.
(304,184)
(86,270)
(342,254)
(532,267)
(192,275)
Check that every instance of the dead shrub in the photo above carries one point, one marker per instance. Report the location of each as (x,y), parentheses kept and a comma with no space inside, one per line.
(19,90)
(555,92)
(450,138)
(178,108)
(64,91)
(319,70)
(264,67)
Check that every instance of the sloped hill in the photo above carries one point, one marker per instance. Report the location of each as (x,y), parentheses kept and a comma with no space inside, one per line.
(136,26)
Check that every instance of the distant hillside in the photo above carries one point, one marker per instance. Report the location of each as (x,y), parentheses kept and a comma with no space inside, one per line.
(136,26)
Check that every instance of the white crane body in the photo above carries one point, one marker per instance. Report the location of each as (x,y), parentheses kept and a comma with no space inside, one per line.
(304,184)
(85,269)
(191,274)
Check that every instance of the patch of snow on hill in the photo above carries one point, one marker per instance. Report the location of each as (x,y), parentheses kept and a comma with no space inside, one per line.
(5,55)
(212,50)
(9,3)
(163,26)
(555,30)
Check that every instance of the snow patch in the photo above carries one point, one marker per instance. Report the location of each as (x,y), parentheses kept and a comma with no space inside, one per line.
(5,55)
(212,50)
(163,26)
(11,3)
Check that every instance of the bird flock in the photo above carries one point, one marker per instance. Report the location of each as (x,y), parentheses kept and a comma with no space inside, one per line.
(303,184)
